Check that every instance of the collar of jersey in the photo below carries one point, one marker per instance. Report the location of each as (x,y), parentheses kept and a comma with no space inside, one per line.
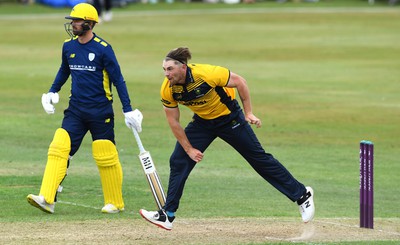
(189,75)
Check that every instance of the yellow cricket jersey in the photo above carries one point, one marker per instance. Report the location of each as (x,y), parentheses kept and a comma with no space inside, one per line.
(204,91)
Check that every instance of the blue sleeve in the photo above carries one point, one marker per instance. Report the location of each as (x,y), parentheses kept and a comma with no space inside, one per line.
(114,72)
(62,74)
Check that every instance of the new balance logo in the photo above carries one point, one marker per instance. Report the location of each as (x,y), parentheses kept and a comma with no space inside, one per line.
(307,204)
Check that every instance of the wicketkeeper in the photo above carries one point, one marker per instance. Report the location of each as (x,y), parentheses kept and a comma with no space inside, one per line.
(93,67)
(209,91)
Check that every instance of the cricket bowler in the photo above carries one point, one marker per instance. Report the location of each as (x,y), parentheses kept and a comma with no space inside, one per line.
(209,91)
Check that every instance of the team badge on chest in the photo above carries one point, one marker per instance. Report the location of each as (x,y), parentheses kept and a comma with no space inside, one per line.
(91,56)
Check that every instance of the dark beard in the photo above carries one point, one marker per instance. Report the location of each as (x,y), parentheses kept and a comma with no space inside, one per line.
(78,33)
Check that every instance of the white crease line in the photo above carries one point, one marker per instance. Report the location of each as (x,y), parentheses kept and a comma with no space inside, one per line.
(87,206)
(79,205)
(307,233)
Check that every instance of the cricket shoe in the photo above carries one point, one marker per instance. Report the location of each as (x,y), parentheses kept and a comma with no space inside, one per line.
(306,205)
(40,203)
(111,209)
(158,218)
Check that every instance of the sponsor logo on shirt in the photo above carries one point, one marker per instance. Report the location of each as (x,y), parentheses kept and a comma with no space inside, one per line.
(194,103)
(82,67)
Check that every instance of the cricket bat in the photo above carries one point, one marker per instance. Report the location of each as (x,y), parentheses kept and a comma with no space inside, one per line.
(150,172)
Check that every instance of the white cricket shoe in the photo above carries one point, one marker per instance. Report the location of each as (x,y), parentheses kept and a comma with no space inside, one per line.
(40,203)
(158,218)
(111,209)
(306,205)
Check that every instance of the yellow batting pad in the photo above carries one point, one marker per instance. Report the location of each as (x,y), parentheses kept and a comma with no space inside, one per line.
(56,167)
(106,156)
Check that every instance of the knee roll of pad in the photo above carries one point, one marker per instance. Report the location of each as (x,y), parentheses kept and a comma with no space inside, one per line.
(104,153)
(61,144)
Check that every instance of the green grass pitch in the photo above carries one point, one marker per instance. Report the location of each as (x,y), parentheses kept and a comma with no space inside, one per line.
(322,77)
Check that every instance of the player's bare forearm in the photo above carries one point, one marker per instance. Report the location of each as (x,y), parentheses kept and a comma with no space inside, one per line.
(173,116)
(179,133)
(240,84)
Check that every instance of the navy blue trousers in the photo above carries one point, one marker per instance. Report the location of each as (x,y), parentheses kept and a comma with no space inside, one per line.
(237,132)
(96,118)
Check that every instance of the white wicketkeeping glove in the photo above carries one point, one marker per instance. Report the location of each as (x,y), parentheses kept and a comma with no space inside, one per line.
(133,119)
(48,101)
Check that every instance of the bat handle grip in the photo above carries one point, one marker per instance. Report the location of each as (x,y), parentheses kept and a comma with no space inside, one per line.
(138,141)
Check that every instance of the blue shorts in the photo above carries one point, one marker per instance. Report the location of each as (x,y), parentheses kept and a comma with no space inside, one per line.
(96,118)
